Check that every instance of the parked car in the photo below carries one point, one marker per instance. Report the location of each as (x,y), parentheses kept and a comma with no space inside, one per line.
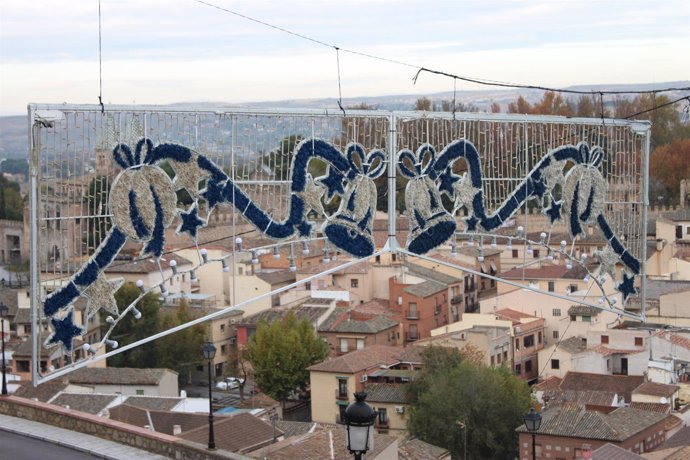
(229,383)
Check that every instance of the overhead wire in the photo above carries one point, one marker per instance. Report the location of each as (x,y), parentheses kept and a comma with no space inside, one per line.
(480,81)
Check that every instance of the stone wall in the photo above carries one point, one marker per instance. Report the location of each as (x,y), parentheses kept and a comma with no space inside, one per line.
(111,430)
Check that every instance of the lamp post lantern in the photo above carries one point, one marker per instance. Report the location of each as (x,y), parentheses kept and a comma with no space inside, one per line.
(209,351)
(3,313)
(359,419)
(532,423)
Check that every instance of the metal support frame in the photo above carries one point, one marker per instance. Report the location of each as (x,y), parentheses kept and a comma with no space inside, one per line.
(392,244)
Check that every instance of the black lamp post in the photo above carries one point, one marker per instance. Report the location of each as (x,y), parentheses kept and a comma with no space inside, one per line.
(209,351)
(359,419)
(533,422)
(3,313)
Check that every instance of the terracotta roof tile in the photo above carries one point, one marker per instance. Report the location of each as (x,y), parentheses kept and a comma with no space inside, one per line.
(617,426)
(277,277)
(612,452)
(319,445)
(277,314)
(653,407)
(550,383)
(680,340)
(656,389)
(432,275)
(426,289)
(360,360)
(118,376)
(361,268)
(153,402)
(416,449)
(237,433)
(148,265)
(84,402)
(43,392)
(621,384)
(606,351)
(387,393)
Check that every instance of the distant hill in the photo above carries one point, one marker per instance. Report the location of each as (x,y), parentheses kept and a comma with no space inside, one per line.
(14,140)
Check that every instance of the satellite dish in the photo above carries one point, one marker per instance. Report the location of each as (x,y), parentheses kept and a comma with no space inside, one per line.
(663,400)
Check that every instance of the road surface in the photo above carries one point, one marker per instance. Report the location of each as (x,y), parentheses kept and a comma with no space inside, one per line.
(18,447)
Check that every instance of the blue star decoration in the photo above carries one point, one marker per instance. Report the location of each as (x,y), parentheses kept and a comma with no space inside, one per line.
(471,223)
(446,180)
(190,222)
(554,211)
(333,182)
(213,193)
(627,286)
(64,331)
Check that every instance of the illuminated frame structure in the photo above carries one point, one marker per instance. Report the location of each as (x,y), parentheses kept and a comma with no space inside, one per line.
(101,180)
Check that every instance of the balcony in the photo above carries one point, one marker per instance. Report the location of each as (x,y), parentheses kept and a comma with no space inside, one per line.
(340,396)
(411,336)
(412,314)
(456,300)
(470,287)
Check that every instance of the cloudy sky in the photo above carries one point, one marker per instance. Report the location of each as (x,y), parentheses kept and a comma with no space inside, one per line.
(163,51)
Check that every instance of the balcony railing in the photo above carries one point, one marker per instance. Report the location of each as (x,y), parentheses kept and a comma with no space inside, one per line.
(412,314)
(456,300)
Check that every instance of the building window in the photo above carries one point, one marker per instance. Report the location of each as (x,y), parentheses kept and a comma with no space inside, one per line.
(528,341)
(360,344)
(586,319)
(354,283)
(342,388)
(518,369)
(535,252)
(638,341)
(343,345)
(604,339)
(552,286)
(222,328)
(505,355)
(539,337)
(556,312)
(555,334)
(383,416)
(528,366)
(517,344)
(140,392)
(555,364)
(572,288)
(307,286)
(515,253)
(492,360)
(223,349)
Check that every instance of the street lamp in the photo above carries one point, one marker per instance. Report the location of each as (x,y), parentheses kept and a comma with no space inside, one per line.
(533,422)
(3,313)
(359,419)
(209,353)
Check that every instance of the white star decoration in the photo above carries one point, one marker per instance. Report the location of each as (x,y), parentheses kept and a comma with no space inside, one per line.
(464,193)
(101,294)
(312,196)
(607,261)
(188,175)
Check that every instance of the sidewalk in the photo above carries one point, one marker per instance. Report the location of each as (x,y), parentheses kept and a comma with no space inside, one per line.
(74,440)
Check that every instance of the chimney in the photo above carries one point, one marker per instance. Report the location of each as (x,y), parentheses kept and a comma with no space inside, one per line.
(177,429)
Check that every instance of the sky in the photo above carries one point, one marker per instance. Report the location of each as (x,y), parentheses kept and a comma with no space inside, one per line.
(165,51)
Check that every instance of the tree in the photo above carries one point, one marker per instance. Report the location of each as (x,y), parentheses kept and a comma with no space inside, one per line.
(670,164)
(11,202)
(280,353)
(180,351)
(130,330)
(280,159)
(490,401)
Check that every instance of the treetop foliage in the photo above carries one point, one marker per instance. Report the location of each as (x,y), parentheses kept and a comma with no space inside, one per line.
(489,401)
(280,353)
